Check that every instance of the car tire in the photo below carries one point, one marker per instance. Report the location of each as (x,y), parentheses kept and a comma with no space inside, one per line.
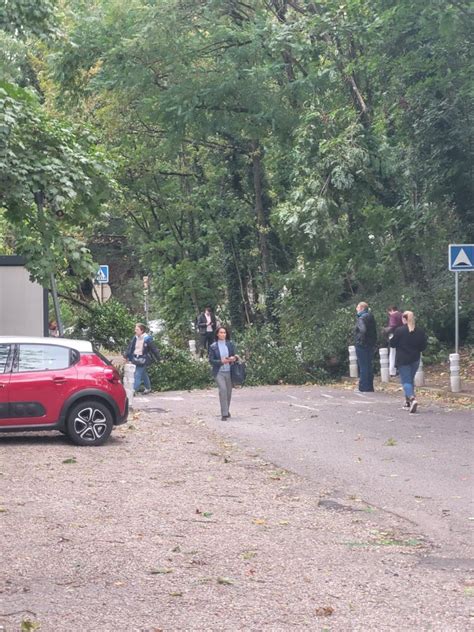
(89,422)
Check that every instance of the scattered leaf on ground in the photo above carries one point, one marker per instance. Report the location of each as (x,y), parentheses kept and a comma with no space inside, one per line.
(324,611)
(225,581)
(71,460)
(27,625)
(161,571)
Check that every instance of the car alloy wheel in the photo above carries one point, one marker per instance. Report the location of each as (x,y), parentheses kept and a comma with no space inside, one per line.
(89,423)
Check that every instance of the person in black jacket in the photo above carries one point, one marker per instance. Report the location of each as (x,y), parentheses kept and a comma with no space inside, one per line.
(221,356)
(365,338)
(142,352)
(206,324)
(409,341)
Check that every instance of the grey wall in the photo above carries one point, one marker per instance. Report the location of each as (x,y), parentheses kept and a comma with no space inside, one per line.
(23,304)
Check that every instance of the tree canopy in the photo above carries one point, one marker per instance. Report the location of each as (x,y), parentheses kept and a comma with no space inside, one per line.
(280,158)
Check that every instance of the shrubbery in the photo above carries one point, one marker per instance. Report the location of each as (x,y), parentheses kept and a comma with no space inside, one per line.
(178,370)
(109,325)
(297,351)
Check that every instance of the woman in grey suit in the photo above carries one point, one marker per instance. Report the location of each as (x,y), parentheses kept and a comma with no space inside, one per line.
(222,356)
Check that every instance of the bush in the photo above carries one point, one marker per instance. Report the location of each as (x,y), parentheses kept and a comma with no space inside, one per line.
(325,343)
(110,326)
(178,370)
(272,360)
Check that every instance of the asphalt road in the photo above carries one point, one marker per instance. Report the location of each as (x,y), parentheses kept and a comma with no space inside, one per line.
(357,447)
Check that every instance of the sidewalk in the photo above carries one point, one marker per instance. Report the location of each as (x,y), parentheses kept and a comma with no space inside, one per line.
(437,384)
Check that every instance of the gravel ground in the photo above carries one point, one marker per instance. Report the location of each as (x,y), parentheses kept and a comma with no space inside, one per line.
(168,527)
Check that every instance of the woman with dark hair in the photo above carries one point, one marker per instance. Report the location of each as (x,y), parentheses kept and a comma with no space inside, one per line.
(142,352)
(222,356)
(409,341)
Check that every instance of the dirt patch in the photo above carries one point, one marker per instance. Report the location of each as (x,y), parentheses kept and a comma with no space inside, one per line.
(170,527)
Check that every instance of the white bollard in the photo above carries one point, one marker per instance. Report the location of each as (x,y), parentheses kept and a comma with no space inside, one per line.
(454,370)
(128,381)
(353,367)
(392,355)
(192,347)
(420,374)
(384,373)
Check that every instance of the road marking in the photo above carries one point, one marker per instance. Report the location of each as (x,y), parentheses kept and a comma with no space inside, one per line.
(363,401)
(299,406)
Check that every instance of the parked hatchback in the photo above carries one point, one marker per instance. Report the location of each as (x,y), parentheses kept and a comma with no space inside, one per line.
(59,384)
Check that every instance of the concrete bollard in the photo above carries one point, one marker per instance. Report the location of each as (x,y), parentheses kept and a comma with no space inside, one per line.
(454,370)
(128,381)
(192,347)
(420,374)
(384,372)
(353,367)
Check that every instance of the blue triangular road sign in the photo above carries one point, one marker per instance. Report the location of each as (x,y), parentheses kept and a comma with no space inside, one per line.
(461,257)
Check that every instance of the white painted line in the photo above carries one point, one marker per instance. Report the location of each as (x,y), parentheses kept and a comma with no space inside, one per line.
(364,401)
(299,406)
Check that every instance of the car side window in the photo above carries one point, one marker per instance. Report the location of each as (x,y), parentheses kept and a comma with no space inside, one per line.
(42,358)
(4,352)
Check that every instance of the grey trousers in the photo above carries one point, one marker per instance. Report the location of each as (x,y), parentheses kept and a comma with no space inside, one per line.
(224,384)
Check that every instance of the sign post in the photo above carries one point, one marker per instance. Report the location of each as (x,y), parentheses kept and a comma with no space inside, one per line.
(461,259)
(146,286)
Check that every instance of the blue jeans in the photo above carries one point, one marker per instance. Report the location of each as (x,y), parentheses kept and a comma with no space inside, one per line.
(141,376)
(365,360)
(407,378)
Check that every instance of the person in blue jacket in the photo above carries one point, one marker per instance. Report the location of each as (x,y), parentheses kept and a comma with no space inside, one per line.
(221,356)
(142,352)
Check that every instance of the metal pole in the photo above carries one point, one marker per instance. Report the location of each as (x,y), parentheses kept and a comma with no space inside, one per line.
(57,311)
(456,313)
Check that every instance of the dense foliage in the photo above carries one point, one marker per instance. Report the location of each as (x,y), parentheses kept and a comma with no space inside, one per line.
(281,159)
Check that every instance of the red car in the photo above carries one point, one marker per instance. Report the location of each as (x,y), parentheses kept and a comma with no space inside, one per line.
(59,384)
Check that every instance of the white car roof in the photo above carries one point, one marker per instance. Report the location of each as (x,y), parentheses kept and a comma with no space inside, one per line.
(78,345)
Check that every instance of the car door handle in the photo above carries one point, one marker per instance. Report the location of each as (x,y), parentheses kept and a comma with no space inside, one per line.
(59,380)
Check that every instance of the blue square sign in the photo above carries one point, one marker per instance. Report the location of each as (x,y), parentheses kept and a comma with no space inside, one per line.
(102,274)
(461,257)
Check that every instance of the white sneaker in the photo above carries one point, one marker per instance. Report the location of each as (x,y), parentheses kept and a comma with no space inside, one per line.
(413,405)
(147,391)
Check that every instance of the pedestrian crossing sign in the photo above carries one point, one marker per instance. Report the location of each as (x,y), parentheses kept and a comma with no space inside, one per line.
(461,257)
(102,274)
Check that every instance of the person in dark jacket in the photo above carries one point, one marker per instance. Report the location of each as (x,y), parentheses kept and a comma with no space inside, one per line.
(206,324)
(394,321)
(221,356)
(142,352)
(409,341)
(365,338)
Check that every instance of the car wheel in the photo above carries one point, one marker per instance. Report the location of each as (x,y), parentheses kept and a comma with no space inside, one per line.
(89,423)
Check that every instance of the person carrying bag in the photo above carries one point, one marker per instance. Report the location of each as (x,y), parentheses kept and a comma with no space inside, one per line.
(223,358)
(142,352)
